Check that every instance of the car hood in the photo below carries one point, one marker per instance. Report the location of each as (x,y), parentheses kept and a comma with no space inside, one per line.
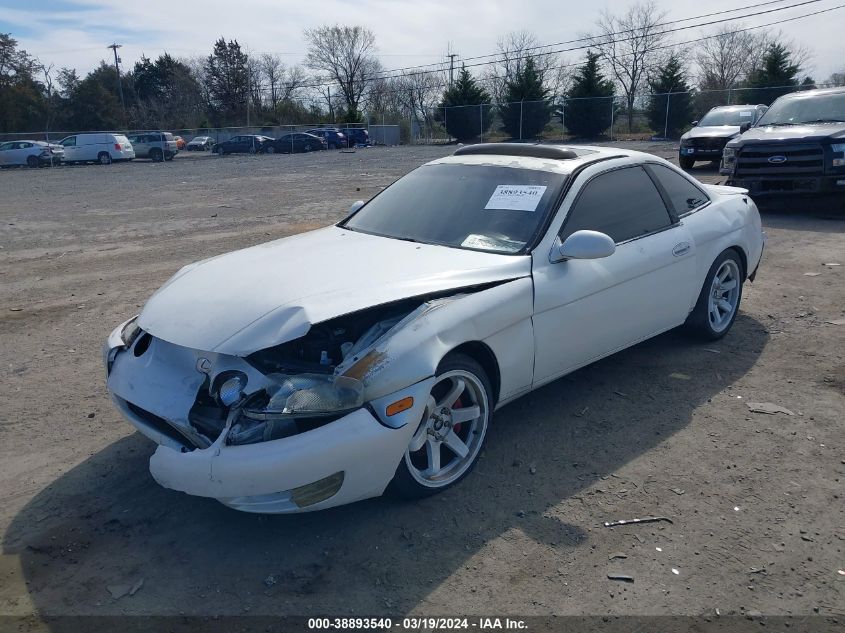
(712,131)
(268,294)
(816,132)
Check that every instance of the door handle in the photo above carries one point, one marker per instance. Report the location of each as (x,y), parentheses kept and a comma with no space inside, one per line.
(681,249)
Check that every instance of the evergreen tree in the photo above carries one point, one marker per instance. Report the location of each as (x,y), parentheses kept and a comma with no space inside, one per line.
(587,110)
(669,85)
(94,103)
(465,108)
(775,76)
(228,78)
(22,102)
(526,108)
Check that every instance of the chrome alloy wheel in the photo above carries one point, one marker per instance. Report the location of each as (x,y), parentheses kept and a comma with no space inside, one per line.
(724,295)
(452,430)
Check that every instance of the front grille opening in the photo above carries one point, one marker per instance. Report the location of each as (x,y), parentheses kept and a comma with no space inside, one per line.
(159,424)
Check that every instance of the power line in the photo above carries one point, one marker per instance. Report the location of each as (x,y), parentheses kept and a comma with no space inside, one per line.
(592,43)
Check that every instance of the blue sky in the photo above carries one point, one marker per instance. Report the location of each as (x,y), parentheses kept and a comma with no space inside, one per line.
(75,33)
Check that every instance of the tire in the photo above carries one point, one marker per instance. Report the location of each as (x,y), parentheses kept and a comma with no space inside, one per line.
(686,162)
(218,150)
(104,158)
(32,161)
(270,149)
(718,302)
(307,148)
(461,377)
(252,149)
(156,155)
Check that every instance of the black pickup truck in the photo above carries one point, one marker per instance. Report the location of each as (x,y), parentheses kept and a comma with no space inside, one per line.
(796,149)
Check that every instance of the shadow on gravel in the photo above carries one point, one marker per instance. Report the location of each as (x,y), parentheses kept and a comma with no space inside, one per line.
(107,523)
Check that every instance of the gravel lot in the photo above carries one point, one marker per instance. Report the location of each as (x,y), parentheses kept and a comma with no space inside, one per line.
(755,499)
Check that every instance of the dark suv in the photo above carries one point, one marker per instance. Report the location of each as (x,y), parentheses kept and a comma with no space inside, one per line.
(356,136)
(708,137)
(333,137)
(797,148)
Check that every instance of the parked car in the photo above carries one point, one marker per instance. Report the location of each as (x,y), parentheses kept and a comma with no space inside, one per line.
(157,146)
(180,142)
(200,144)
(297,142)
(708,137)
(245,143)
(356,136)
(30,153)
(100,147)
(333,137)
(796,149)
(323,368)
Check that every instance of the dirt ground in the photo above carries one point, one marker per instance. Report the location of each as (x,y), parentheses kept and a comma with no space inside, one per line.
(661,429)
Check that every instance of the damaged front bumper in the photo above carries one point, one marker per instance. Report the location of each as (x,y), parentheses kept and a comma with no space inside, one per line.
(349,459)
(352,457)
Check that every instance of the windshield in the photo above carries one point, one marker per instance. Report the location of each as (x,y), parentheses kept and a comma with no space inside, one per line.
(824,108)
(480,207)
(727,117)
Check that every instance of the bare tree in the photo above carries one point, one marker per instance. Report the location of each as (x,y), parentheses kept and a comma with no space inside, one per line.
(280,81)
(419,95)
(630,45)
(344,55)
(512,51)
(725,60)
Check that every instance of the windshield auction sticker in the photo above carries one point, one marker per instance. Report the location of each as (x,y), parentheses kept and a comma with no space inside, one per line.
(516,197)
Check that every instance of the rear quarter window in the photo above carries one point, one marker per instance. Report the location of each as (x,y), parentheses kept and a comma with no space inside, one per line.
(684,195)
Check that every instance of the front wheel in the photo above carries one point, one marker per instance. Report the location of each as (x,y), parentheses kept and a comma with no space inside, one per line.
(718,302)
(270,149)
(686,162)
(307,148)
(446,445)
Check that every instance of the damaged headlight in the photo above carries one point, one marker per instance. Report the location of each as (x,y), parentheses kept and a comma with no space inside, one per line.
(274,412)
(130,332)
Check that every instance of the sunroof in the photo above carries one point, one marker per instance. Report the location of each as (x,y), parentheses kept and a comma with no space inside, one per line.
(533,150)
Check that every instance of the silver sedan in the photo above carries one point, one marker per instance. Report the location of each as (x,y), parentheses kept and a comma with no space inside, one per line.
(30,153)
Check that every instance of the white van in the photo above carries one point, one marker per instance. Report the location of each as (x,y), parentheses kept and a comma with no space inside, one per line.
(102,147)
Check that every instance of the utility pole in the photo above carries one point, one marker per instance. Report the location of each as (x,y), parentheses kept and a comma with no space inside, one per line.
(114,48)
(451,57)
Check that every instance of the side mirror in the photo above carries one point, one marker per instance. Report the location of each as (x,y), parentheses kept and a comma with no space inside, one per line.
(694,123)
(745,127)
(355,206)
(583,245)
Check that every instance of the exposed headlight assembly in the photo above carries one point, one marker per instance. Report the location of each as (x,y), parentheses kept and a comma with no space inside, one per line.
(273,413)
(729,153)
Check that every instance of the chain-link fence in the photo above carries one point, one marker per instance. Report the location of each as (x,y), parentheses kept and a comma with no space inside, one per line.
(664,115)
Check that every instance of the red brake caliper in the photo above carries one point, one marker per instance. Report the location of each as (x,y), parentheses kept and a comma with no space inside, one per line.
(458,405)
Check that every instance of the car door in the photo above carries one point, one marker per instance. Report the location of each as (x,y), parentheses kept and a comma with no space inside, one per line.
(5,153)
(71,151)
(588,308)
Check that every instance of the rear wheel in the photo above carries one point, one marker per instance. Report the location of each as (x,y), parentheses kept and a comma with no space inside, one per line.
(104,158)
(446,445)
(252,149)
(157,155)
(686,162)
(270,149)
(719,299)
(32,161)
